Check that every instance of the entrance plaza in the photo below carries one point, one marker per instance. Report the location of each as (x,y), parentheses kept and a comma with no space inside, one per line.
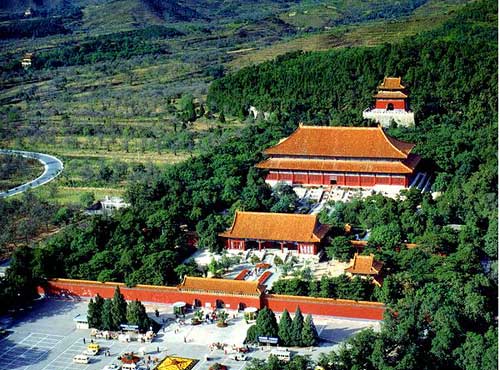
(46,338)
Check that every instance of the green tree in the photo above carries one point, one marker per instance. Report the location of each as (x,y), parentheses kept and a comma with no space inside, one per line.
(20,281)
(62,216)
(94,312)
(309,333)
(386,236)
(286,199)
(479,351)
(87,198)
(340,248)
(266,323)
(296,328)
(107,317)
(118,309)
(252,334)
(186,105)
(284,327)
(136,315)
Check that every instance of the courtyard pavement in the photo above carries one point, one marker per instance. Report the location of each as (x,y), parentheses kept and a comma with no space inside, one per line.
(46,338)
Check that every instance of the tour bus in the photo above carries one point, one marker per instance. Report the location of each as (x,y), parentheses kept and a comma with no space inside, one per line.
(81,359)
(282,354)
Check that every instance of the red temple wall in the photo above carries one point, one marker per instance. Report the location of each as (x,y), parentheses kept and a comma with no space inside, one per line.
(383,180)
(162,294)
(145,293)
(235,244)
(352,180)
(316,179)
(325,306)
(368,180)
(342,180)
(383,103)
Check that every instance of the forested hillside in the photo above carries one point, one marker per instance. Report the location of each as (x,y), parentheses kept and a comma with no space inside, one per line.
(441,296)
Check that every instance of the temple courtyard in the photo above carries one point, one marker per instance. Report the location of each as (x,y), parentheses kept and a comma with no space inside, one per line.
(46,338)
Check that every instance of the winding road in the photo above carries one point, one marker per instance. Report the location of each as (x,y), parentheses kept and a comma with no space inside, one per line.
(52,168)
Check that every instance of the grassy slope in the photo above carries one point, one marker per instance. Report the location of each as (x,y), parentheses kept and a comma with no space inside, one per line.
(426,17)
(135,93)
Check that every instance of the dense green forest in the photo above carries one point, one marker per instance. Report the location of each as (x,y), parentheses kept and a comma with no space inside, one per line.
(441,296)
(107,47)
(33,28)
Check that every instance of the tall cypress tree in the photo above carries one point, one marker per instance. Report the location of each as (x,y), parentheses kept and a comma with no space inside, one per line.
(106,317)
(136,315)
(266,323)
(284,328)
(296,328)
(94,312)
(118,309)
(309,333)
(91,314)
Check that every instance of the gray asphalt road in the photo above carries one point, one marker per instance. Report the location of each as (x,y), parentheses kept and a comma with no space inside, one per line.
(52,168)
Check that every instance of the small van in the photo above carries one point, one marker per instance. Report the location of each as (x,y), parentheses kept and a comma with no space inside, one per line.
(239,357)
(281,354)
(81,359)
(93,349)
(129,367)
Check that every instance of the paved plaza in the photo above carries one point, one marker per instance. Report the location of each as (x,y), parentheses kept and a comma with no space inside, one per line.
(46,338)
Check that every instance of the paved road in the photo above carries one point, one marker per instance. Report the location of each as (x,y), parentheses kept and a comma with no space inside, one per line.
(53,167)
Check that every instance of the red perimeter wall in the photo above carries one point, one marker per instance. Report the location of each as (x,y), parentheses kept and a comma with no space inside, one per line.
(162,294)
(325,306)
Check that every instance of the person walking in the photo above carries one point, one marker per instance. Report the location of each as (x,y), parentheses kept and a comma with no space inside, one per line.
(83,340)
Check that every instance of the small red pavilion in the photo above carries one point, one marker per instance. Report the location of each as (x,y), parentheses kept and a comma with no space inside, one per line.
(391,104)
(296,232)
(391,95)
(343,156)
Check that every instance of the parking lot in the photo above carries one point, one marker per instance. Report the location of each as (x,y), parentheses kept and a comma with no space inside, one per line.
(46,338)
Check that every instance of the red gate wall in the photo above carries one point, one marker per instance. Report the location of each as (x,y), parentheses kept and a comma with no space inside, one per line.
(162,294)
(145,293)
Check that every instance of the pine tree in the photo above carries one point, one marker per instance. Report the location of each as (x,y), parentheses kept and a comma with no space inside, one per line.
(144,321)
(133,313)
(266,323)
(118,309)
(94,312)
(106,317)
(309,333)
(91,314)
(296,328)
(136,315)
(284,328)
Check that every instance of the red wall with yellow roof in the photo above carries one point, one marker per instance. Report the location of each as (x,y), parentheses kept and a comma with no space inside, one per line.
(162,294)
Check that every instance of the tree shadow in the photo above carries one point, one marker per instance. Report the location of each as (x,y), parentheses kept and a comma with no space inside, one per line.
(14,355)
(337,335)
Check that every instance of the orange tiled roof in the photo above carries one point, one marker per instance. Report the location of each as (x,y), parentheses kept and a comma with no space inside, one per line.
(364,265)
(353,142)
(276,226)
(396,167)
(220,286)
(390,95)
(391,83)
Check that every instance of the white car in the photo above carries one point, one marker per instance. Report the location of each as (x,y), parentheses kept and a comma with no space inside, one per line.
(111,367)
(239,357)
